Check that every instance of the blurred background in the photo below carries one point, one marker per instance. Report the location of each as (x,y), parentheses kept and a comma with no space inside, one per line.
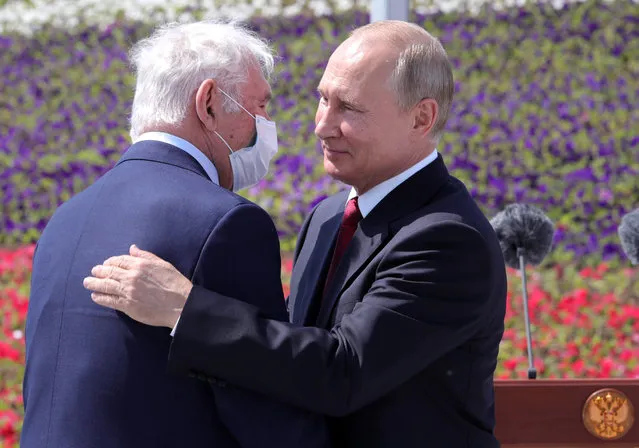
(545,113)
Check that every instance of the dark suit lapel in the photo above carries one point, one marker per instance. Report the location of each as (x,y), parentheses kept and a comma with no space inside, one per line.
(330,215)
(366,242)
(374,230)
(164,153)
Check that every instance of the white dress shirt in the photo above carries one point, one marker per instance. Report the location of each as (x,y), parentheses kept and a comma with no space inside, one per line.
(185,146)
(374,196)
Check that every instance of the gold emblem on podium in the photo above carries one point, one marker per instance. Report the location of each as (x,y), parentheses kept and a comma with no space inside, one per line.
(608,414)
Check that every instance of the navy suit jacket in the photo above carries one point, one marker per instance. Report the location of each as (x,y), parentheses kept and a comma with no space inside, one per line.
(96,378)
(401,350)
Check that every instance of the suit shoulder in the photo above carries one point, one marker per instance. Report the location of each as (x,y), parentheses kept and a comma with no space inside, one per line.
(219,197)
(452,206)
(454,202)
(175,185)
(198,194)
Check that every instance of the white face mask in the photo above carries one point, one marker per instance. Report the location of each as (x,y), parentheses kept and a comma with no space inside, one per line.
(250,164)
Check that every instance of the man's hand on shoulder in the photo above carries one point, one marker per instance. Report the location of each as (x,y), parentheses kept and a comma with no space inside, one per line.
(141,285)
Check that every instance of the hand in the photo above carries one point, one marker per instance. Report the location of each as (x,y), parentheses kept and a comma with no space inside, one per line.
(141,285)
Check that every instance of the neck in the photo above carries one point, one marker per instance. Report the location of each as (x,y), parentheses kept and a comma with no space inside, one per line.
(198,139)
(225,172)
(408,162)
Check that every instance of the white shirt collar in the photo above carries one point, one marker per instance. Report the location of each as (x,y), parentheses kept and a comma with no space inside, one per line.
(374,196)
(185,146)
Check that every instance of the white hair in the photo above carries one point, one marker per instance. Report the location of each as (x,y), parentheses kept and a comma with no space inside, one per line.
(173,62)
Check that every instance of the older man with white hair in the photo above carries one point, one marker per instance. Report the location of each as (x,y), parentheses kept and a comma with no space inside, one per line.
(399,282)
(96,378)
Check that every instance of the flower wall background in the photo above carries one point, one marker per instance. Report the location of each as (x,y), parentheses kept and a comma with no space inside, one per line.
(545,112)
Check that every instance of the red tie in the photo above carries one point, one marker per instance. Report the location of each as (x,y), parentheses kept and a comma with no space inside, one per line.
(351,218)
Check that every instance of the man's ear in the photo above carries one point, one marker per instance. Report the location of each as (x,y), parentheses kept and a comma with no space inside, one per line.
(425,115)
(205,104)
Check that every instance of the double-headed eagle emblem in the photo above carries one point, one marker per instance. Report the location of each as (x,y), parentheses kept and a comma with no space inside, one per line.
(608,414)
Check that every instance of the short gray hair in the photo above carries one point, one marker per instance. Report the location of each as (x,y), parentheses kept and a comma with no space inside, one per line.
(171,64)
(422,69)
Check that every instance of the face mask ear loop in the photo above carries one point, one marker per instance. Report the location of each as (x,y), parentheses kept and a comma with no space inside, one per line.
(227,145)
(227,95)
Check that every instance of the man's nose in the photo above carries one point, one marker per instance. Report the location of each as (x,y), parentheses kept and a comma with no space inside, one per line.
(326,126)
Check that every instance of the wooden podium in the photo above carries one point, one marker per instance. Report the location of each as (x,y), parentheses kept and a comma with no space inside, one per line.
(567,413)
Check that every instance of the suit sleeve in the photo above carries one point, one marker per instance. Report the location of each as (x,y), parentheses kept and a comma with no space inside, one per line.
(430,295)
(241,257)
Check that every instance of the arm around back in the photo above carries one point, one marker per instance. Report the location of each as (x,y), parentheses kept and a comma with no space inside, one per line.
(241,257)
(430,295)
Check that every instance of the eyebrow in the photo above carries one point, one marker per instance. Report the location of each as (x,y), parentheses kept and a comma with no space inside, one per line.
(344,99)
(268,97)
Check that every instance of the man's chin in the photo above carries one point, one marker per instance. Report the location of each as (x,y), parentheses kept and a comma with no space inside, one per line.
(336,173)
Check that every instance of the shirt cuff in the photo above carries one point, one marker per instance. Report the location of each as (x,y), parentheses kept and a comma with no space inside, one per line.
(176,324)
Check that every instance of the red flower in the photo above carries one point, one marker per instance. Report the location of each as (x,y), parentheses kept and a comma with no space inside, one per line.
(607,365)
(8,427)
(18,302)
(578,367)
(626,355)
(589,272)
(510,364)
(8,352)
(287,265)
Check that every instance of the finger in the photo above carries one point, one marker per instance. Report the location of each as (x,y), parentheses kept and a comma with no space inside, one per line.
(106,300)
(121,261)
(112,272)
(102,285)
(137,252)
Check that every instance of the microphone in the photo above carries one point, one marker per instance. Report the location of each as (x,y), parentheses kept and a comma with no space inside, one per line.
(629,235)
(525,235)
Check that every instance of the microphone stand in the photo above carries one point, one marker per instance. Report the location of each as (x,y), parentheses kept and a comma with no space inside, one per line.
(532,372)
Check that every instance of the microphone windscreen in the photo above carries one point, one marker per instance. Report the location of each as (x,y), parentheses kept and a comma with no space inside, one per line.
(629,235)
(523,226)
